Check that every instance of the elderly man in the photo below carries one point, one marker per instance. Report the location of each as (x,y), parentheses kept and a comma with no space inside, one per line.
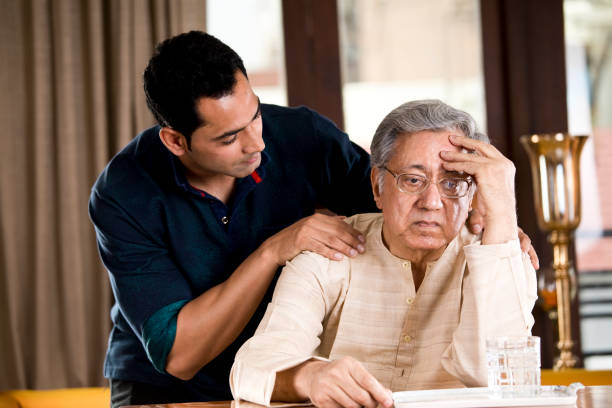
(414,310)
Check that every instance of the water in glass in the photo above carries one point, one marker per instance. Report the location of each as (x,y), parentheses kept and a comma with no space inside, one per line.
(514,366)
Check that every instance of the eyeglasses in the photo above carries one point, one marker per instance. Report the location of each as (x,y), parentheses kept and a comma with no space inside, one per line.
(450,187)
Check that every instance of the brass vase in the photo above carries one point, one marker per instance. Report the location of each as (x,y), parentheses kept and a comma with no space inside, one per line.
(555,170)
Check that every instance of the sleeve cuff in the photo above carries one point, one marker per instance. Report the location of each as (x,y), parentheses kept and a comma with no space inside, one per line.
(256,384)
(504,275)
(158,334)
(505,250)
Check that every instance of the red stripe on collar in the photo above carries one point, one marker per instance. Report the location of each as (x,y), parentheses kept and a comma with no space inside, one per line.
(256,177)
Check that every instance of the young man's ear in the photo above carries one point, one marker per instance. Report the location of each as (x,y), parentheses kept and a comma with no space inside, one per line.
(173,140)
(376,189)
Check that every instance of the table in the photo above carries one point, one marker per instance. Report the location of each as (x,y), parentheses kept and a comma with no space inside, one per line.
(589,397)
(595,397)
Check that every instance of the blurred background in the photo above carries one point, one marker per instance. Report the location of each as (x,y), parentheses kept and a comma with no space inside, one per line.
(71,97)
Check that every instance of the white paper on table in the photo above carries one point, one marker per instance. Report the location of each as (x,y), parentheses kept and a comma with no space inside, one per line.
(483,397)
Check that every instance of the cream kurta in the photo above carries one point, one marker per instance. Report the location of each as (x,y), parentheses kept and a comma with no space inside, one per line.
(366,307)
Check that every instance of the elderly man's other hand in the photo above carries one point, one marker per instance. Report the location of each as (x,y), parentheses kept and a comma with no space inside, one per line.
(340,383)
(494,176)
(476,225)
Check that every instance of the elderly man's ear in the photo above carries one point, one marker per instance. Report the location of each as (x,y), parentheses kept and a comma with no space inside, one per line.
(376,188)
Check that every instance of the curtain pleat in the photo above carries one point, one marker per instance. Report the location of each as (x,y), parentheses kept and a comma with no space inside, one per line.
(71,97)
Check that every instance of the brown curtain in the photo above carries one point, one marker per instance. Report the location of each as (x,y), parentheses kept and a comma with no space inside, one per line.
(70,97)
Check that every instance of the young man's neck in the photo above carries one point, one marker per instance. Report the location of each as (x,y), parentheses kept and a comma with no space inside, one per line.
(220,186)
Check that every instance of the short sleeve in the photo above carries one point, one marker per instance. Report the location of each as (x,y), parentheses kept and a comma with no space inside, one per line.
(148,286)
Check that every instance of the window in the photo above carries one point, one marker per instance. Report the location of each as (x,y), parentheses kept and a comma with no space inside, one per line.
(588,32)
(253,28)
(394,51)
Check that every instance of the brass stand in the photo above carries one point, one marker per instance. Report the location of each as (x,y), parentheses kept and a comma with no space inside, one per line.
(559,240)
(555,170)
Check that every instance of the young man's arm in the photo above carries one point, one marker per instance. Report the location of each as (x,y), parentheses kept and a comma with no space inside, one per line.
(212,321)
(181,333)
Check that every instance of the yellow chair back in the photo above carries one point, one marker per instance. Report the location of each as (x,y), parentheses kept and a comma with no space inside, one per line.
(60,398)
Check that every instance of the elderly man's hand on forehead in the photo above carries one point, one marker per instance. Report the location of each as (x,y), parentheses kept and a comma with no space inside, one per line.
(476,222)
(494,176)
(492,171)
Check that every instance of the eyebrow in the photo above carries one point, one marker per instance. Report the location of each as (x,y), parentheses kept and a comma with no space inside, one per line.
(412,167)
(424,170)
(232,132)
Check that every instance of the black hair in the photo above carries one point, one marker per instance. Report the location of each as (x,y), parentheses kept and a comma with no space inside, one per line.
(183,69)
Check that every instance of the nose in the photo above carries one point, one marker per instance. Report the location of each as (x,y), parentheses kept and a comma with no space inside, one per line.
(430,199)
(252,140)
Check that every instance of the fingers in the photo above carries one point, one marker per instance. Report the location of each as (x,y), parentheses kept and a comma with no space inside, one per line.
(476,218)
(454,156)
(524,240)
(326,211)
(528,248)
(359,395)
(535,261)
(347,399)
(469,167)
(463,162)
(482,148)
(470,163)
(328,236)
(343,237)
(331,237)
(348,384)
(494,174)
(475,222)
(337,252)
(374,389)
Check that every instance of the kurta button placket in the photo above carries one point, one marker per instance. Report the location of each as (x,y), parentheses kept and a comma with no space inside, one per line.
(224,220)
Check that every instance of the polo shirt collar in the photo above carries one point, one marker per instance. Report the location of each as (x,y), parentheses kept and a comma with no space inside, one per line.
(181,180)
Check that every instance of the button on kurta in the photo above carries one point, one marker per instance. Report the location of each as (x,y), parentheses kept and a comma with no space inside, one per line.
(405,265)
(407,338)
(224,220)
(409,300)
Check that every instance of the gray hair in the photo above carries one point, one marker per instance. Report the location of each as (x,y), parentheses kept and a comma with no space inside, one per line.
(417,116)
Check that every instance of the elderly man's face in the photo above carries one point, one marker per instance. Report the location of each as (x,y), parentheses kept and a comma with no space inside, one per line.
(425,221)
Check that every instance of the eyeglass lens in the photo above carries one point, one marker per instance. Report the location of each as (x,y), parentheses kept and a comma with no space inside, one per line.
(449,187)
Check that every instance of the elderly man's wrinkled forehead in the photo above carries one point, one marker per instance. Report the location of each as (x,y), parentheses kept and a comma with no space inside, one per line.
(421,150)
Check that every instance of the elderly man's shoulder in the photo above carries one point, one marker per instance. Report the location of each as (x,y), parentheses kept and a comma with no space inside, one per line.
(367,223)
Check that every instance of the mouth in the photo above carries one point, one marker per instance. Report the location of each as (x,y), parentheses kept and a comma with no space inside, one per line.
(426,224)
(252,159)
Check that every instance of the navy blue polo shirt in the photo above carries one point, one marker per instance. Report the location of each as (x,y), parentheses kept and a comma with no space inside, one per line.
(164,242)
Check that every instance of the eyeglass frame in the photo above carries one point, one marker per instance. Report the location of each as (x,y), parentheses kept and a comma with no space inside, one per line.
(468,179)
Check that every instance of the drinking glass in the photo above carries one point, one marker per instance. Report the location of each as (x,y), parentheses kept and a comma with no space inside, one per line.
(514,366)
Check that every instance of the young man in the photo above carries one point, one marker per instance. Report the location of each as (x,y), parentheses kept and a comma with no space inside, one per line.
(194,217)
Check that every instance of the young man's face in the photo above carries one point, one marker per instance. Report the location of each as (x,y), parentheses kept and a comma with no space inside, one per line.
(230,142)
